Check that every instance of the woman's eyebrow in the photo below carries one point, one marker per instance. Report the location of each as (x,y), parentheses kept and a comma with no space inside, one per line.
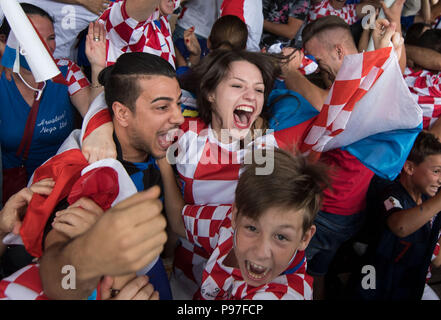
(240,79)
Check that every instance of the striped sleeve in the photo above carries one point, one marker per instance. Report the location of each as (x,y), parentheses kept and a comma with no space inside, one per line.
(75,78)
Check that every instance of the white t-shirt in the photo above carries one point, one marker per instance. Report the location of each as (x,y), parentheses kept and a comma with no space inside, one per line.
(70,20)
(201,14)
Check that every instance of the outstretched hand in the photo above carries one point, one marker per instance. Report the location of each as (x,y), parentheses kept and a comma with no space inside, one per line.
(15,208)
(385,34)
(77,218)
(96,45)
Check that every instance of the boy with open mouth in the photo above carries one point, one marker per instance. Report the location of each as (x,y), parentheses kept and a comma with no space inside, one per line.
(255,247)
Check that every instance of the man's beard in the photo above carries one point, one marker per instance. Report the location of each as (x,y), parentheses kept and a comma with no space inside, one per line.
(139,144)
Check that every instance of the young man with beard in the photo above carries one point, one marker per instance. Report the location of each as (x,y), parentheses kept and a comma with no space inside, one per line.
(143,96)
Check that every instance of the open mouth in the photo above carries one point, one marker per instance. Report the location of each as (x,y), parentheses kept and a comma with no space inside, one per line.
(242,116)
(434,189)
(255,271)
(166,138)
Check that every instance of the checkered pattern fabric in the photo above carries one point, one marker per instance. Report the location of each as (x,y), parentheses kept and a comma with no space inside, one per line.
(209,227)
(324,8)
(208,169)
(125,34)
(205,181)
(308,66)
(75,78)
(209,172)
(25,284)
(356,77)
(425,87)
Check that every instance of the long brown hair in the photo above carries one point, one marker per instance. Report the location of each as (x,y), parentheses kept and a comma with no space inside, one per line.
(228,32)
(207,75)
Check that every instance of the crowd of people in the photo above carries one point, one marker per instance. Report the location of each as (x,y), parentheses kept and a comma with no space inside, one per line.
(218,150)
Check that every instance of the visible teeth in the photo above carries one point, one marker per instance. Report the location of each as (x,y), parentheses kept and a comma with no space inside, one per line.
(262,270)
(244,108)
(257,267)
(171,134)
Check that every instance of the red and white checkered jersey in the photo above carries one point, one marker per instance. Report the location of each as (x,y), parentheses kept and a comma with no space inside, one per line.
(324,8)
(425,87)
(308,66)
(209,227)
(125,34)
(75,78)
(24,284)
(209,171)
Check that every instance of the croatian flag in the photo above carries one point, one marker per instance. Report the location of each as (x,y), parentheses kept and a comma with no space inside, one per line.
(25,47)
(369,112)
(106,182)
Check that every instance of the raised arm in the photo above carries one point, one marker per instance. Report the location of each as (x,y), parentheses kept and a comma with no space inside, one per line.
(405,222)
(96,53)
(288,30)
(435,11)
(297,82)
(424,57)
(393,15)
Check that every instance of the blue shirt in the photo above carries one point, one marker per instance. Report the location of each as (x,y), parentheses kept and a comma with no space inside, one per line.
(54,123)
(145,175)
(401,264)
